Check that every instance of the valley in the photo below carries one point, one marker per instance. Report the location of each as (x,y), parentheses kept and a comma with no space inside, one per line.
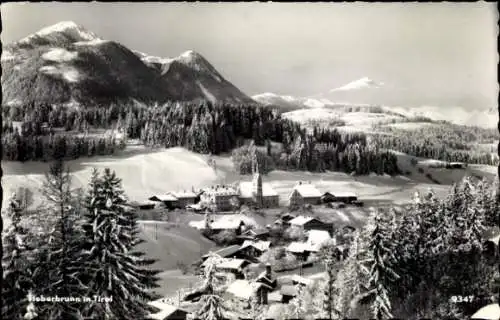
(243,203)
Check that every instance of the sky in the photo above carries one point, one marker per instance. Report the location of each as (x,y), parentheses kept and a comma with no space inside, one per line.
(428,53)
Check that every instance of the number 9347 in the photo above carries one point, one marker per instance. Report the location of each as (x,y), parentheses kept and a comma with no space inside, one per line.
(461,299)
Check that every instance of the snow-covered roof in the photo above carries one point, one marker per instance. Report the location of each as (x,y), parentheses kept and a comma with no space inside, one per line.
(243,289)
(307,190)
(301,280)
(224,252)
(231,264)
(489,312)
(301,220)
(166,309)
(344,194)
(246,190)
(164,197)
(297,247)
(219,224)
(183,194)
(318,237)
(260,245)
(196,206)
(220,191)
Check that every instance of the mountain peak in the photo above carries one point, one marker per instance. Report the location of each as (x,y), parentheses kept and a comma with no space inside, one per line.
(362,83)
(70,29)
(191,56)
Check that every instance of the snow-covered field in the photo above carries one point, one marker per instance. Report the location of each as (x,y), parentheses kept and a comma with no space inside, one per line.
(410,125)
(354,121)
(145,173)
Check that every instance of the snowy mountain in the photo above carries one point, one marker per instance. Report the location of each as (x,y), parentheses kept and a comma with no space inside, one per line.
(65,62)
(299,107)
(290,103)
(363,83)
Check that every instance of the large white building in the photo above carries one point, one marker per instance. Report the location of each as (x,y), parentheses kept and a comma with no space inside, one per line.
(220,197)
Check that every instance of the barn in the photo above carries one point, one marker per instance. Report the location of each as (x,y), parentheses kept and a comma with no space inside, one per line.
(304,193)
(168,200)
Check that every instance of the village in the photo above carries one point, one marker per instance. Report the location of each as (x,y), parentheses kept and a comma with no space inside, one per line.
(266,264)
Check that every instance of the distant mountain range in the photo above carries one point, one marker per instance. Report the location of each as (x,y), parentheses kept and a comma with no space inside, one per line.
(357,93)
(66,63)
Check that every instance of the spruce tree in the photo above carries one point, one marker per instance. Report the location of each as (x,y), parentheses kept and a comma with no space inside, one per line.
(58,273)
(16,277)
(117,273)
(329,291)
(212,304)
(382,273)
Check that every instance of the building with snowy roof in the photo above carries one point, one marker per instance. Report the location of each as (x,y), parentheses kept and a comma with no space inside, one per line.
(167,199)
(309,223)
(255,249)
(304,193)
(257,193)
(185,198)
(220,197)
(166,311)
(245,290)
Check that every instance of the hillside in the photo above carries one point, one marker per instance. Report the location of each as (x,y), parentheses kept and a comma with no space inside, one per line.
(65,62)
(172,245)
(145,172)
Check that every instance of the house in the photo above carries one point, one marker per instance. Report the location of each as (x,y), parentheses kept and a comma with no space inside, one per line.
(256,193)
(185,198)
(304,193)
(143,205)
(245,290)
(327,197)
(233,266)
(220,197)
(234,223)
(255,234)
(309,223)
(227,252)
(456,165)
(345,197)
(489,312)
(167,311)
(301,250)
(255,249)
(195,207)
(168,200)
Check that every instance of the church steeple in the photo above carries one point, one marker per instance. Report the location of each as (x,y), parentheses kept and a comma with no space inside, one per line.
(256,182)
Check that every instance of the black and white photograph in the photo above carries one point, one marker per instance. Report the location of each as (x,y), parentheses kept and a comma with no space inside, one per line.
(250,160)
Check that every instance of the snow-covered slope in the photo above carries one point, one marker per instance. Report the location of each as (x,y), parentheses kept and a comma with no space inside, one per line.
(348,96)
(66,62)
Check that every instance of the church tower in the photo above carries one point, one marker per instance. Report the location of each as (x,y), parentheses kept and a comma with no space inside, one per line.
(256,183)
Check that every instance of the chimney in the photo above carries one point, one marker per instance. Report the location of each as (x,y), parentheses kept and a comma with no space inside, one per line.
(268,271)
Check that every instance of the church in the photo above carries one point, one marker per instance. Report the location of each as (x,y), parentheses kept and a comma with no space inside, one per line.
(258,194)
